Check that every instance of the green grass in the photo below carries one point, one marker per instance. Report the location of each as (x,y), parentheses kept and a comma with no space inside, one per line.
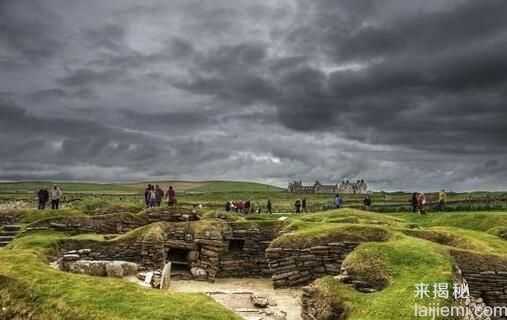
(30,285)
(398,251)
(407,261)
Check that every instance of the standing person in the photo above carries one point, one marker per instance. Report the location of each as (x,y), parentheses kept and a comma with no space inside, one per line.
(152,197)
(43,197)
(303,205)
(442,200)
(56,194)
(414,202)
(421,202)
(247,207)
(228,206)
(269,207)
(147,195)
(367,202)
(160,194)
(297,205)
(45,193)
(338,201)
(171,197)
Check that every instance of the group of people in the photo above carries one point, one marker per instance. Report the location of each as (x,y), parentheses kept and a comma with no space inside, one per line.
(419,201)
(43,196)
(300,205)
(153,196)
(241,206)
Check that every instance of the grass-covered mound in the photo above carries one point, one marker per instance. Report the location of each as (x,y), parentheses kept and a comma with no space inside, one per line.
(418,249)
(478,221)
(31,287)
(324,234)
(400,264)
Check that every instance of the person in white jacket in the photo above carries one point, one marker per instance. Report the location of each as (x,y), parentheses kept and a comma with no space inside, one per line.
(56,194)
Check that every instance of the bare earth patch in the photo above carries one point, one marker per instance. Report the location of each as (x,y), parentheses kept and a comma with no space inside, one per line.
(235,293)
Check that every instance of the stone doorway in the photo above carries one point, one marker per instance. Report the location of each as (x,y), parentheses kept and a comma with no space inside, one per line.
(179,259)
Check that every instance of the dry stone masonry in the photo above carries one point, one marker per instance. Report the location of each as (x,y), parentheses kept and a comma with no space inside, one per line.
(293,267)
(486,276)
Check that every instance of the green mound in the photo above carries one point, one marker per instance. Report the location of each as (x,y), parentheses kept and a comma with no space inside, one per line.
(478,221)
(368,265)
(322,234)
(30,285)
(404,262)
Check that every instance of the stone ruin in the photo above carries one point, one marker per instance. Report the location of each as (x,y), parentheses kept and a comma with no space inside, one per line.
(208,249)
(198,249)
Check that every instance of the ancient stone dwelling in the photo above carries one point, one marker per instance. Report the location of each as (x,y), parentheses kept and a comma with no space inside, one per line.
(199,249)
(360,187)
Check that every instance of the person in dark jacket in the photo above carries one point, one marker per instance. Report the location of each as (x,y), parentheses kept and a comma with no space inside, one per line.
(367,202)
(297,205)
(414,202)
(171,197)
(269,207)
(147,196)
(338,201)
(43,197)
(159,195)
(303,205)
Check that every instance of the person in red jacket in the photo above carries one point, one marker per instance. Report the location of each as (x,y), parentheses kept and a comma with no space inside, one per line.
(171,197)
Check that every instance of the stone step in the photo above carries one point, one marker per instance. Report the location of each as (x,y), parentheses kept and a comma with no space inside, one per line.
(8,233)
(6,238)
(3,243)
(11,227)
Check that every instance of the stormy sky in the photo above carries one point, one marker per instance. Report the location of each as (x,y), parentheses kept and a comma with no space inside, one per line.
(405,94)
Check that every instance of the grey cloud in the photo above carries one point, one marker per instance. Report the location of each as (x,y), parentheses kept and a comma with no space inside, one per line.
(407,95)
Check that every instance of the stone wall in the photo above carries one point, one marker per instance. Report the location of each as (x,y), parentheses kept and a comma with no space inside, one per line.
(8,217)
(208,249)
(486,276)
(244,253)
(293,267)
(117,222)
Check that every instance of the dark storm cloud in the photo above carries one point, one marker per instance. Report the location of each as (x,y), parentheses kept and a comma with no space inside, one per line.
(405,94)
(27,32)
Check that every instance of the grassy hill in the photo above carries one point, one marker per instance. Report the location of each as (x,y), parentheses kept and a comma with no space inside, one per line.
(138,187)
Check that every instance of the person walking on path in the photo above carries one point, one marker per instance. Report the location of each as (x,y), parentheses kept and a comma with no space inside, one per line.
(338,201)
(56,194)
(171,197)
(269,208)
(442,200)
(303,205)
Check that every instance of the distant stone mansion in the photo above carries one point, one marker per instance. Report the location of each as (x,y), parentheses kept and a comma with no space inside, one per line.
(345,186)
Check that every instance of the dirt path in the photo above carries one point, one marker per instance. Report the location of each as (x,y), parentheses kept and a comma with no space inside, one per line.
(235,294)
